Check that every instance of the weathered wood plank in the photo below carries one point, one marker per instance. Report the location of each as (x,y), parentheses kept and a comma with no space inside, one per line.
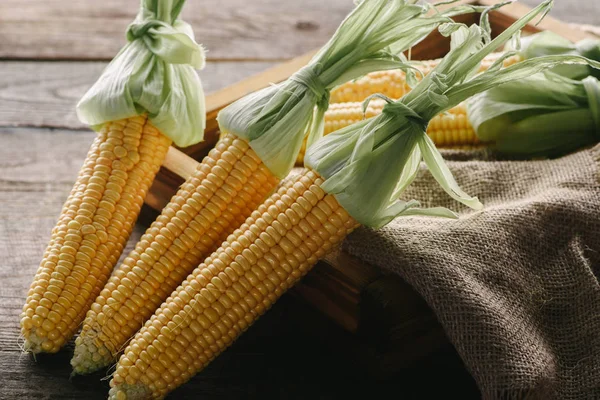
(230,29)
(44,94)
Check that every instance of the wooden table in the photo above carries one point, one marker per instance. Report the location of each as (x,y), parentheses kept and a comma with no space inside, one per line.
(51,51)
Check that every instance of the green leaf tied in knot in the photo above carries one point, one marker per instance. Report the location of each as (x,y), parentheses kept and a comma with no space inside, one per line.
(153,74)
(164,35)
(398,112)
(137,30)
(407,114)
(308,77)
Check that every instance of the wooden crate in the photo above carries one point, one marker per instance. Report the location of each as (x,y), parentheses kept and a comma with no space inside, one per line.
(391,319)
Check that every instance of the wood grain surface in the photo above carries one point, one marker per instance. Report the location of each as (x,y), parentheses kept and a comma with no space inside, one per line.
(50,52)
(44,94)
(231,29)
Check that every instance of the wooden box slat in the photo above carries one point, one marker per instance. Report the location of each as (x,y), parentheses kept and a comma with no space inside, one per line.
(391,318)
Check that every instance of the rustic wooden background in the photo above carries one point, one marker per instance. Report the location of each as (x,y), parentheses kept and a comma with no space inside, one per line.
(51,51)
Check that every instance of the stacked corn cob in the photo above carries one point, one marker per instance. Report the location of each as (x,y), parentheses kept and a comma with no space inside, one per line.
(286,235)
(296,226)
(274,247)
(451,129)
(234,179)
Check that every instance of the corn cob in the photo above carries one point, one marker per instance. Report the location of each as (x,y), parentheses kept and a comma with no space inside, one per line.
(103,206)
(269,253)
(392,83)
(301,223)
(92,230)
(227,186)
(451,129)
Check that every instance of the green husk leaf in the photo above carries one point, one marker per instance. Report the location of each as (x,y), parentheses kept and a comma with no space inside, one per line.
(276,119)
(367,165)
(153,74)
(548,43)
(543,115)
(592,89)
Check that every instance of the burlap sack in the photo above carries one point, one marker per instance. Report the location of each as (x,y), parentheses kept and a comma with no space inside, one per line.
(516,285)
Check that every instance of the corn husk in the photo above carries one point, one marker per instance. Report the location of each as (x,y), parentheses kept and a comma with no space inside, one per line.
(547,43)
(153,74)
(276,120)
(544,115)
(368,165)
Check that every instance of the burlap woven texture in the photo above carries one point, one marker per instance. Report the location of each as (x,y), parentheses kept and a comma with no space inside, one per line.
(515,285)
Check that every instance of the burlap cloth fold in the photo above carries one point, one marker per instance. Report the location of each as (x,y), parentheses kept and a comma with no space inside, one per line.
(515,286)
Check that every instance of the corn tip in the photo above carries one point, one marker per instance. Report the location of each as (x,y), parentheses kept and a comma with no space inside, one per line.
(129,392)
(36,344)
(87,357)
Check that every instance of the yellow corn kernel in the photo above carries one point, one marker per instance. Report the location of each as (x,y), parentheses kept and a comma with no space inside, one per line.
(229,291)
(84,245)
(346,106)
(392,83)
(216,199)
(451,129)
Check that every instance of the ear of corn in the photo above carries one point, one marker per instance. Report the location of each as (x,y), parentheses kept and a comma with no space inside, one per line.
(227,186)
(450,129)
(103,206)
(92,230)
(269,253)
(392,83)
